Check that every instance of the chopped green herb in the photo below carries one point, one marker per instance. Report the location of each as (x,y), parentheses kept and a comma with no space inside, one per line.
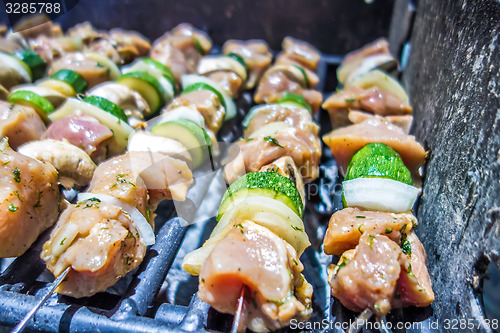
(5,163)
(272,140)
(89,203)
(17,175)
(37,204)
(342,262)
(295,262)
(403,228)
(272,168)
(371,240)
(130,235)
(62,242)
(406,245)
(147,213)
(120,179)
(104,228)
(249,139)
(12,207)
(376,307)
(127,260)
(16,193)
(359,229)
(388,230)
(350,100)
(202,280)
(297,228)
(361,217)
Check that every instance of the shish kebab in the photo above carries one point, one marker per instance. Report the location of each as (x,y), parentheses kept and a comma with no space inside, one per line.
(382,262)
(22,119)
(250,265)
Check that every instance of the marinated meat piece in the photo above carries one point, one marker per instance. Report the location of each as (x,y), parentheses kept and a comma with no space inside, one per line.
(403,122)
(275,83)
(164,52)
(8,45)
(100,243)
(91,71)
(251,256)
(29,200)
(368,280)
(85,31)
(347,225)
(73,164)
(300,51)
(414,284)
(298,118)
(35,25)
(50,48)
(99,240)
(129,44)
(181,49)
(373,100)
(346,141)
(107,47)
(360,61)
(130,101)
(256,55)
(85,132)
(207,103)
(312,77)
(20,124)
(229,81)
(249,155)
(379,46)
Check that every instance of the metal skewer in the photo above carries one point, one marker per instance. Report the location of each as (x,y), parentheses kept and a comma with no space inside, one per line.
(20,327)
(360,321)
(383,325)
(235,327)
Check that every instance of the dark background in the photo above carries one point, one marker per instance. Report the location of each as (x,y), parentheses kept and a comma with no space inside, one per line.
(332,26)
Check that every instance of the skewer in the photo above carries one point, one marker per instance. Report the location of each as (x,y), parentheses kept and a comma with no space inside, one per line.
(383,326)
(20,327)
(360,321)
(235,327)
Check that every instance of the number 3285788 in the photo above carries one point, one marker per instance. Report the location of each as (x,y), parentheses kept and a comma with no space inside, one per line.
(462,324)
(32,8)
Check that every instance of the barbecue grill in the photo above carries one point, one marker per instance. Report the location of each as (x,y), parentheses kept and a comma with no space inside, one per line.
(450,65)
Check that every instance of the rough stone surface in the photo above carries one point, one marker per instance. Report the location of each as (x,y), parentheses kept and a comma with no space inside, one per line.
(454,82)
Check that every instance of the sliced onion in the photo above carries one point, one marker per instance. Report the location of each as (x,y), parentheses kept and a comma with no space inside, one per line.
(379,194)
(143,226)
(269,213)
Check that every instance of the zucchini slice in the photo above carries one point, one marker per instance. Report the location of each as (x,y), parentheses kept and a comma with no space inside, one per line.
(17,65)
(147,86)
(75,80)
(25,97)
(165,82)
(268,184)
(107,106)
(193,137)
(33,60)
(230,106)
(294,101)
